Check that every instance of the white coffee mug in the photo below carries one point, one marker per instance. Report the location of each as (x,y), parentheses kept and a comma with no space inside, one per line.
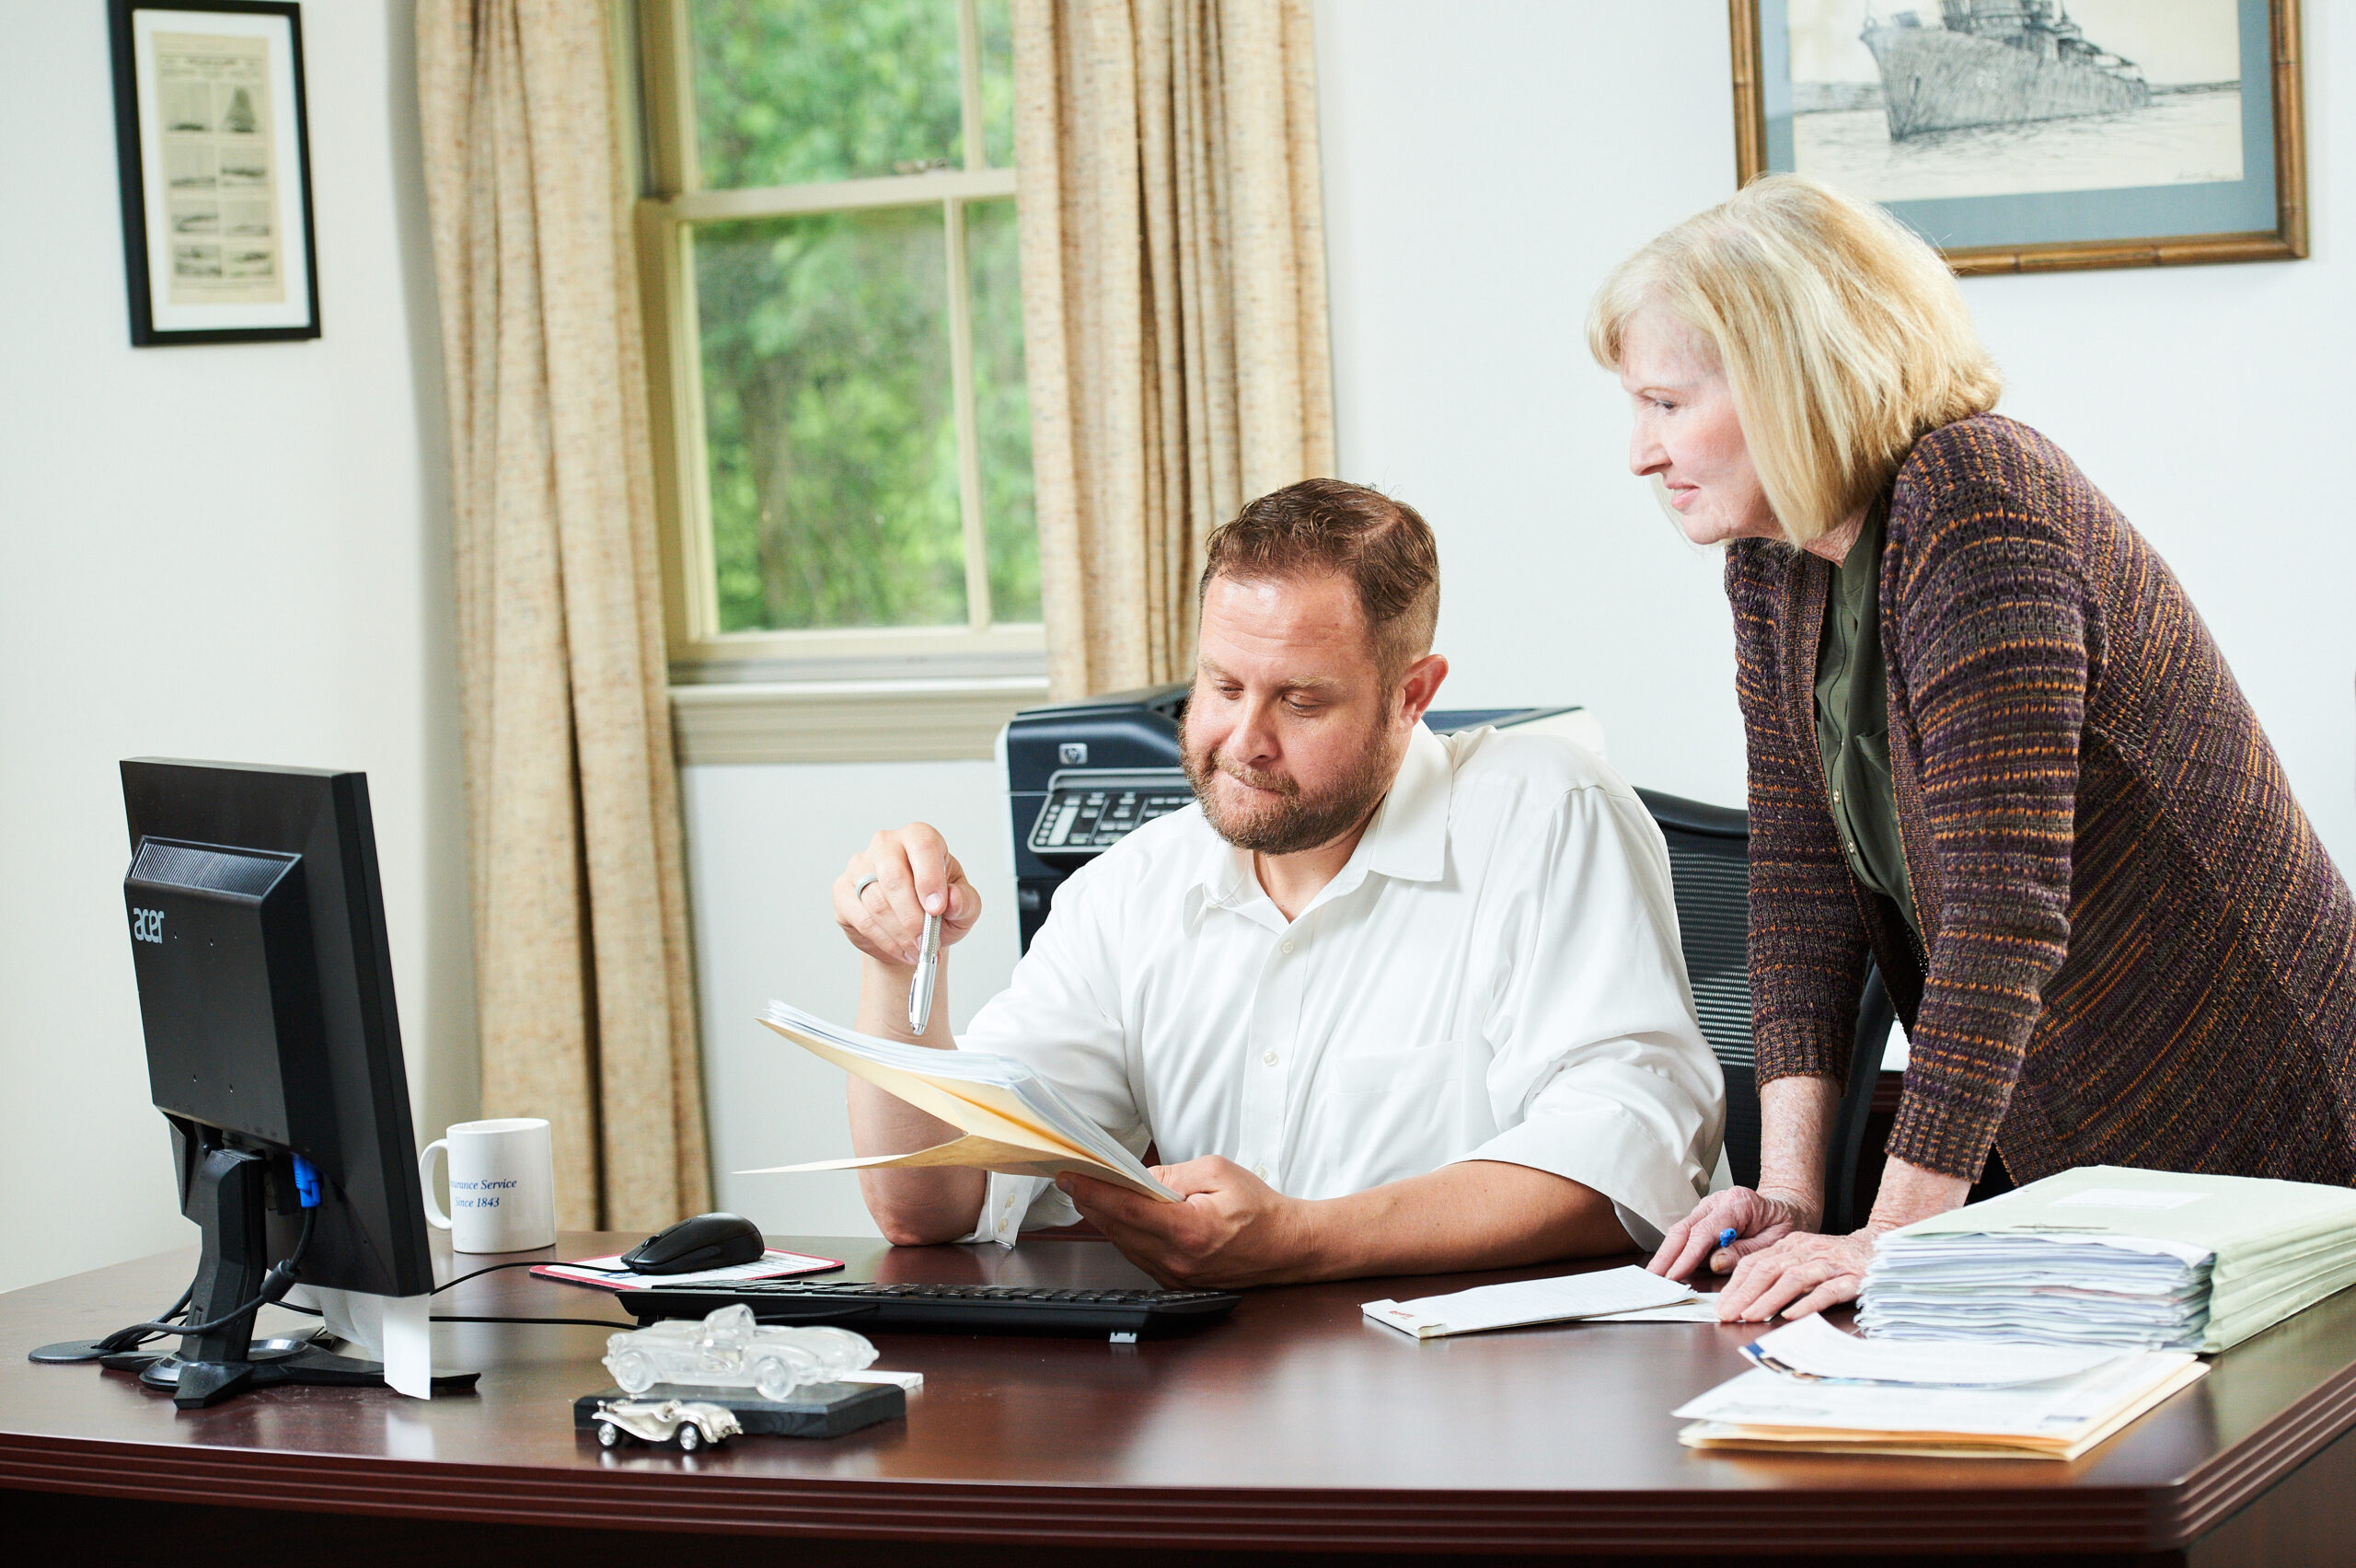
(503,1186)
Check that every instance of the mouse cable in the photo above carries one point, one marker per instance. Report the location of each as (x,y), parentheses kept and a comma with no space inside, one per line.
(275,1285)
(138,1334)
(527,1263)
(558,1323)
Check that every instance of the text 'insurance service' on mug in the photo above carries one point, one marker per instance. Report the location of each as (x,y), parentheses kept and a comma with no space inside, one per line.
(503,1186)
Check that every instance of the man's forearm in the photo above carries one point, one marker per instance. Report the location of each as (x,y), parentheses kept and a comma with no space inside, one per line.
(911,1207)
(1474,1213)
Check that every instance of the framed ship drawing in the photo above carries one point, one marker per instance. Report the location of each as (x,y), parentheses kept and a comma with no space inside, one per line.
(2030,135)
(215,171)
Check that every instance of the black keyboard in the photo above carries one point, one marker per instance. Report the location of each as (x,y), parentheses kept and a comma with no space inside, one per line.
(949,1309)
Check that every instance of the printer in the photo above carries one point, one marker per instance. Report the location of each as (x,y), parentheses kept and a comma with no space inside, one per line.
(1081,774)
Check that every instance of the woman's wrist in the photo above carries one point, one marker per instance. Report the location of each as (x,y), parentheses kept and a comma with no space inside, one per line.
(1795,1116)
(1910,1192)
(1804,1212)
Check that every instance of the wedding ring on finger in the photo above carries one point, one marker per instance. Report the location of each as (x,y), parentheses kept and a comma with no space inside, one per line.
(859,889)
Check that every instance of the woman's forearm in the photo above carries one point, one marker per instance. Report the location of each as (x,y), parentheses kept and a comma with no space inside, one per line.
(1795,1120)
(1909,1192)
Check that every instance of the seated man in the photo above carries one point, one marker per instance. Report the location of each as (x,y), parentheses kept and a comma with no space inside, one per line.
(1387,1003)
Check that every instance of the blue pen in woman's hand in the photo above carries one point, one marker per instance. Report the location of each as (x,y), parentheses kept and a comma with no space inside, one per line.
(1725,1236)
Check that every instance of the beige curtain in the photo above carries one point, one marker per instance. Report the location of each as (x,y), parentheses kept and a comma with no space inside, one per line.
(1173,294)
(586,1005)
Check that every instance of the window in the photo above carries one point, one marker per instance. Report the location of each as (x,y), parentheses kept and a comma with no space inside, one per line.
(835,327)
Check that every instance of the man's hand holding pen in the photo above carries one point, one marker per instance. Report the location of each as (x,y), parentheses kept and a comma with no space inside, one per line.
(889,890)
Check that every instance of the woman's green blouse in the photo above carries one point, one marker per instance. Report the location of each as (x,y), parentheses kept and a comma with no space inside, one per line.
(1853,723)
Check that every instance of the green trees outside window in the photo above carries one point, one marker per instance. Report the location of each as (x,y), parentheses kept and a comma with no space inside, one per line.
(866,432)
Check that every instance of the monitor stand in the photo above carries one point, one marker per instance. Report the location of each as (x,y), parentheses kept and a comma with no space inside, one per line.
(268,1365)
(227,1201)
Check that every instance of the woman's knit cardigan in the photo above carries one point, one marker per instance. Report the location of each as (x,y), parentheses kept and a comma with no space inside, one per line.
(2134,950)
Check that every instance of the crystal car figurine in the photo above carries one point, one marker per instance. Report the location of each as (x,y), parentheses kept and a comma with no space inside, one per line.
(729,1350)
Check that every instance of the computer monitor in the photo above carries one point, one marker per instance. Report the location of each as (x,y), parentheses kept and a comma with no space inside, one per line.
(256,924)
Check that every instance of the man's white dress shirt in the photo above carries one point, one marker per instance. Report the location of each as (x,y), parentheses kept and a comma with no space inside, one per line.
(1494,976)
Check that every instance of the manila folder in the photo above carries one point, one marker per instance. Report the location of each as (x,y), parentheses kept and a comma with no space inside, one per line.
(1001,1133)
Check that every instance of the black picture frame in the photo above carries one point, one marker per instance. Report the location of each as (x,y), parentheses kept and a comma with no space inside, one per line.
(156,322)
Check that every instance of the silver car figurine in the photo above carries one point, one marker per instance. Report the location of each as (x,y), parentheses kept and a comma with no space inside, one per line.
(691,1423)
(728,1349)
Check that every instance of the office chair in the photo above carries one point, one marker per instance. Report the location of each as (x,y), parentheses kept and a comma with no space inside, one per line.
(1709,860)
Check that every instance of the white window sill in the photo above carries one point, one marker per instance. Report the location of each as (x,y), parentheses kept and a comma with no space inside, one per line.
(865,721)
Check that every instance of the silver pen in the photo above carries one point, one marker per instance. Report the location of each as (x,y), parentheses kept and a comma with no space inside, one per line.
(927,966)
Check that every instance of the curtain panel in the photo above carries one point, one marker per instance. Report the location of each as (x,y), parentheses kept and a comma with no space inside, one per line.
(1173,293)
(583,974)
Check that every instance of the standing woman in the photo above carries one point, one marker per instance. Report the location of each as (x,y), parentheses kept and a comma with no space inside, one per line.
(1992,746)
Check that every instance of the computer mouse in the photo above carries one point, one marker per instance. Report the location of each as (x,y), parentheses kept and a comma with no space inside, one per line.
(706,1241)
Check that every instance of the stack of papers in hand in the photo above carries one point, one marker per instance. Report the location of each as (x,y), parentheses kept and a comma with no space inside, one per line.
(1622,1294)
(1013,1119)
(1818,1390)
(2117,1257)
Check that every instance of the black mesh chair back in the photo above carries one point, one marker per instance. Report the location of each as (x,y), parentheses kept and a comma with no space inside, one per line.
(1709,862)
(1845,1208)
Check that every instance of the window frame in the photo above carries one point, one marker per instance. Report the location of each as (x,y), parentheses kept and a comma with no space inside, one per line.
(1002,657)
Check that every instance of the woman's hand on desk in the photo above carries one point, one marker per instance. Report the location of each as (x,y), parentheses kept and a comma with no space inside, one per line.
(1759,1221)
(1802,1273)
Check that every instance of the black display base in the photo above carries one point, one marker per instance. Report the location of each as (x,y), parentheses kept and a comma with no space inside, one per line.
(196,1384)
(821,1409)
(67,1352)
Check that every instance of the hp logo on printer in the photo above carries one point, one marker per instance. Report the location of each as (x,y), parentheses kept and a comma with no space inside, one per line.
(1072,754)
(147,926)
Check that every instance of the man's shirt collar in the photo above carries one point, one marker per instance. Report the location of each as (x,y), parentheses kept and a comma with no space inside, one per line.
(1407,839)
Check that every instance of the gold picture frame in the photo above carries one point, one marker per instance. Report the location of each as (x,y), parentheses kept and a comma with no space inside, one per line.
(1972,232)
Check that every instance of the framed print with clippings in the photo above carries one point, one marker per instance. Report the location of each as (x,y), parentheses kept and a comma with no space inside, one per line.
(215,171)
(2030,135)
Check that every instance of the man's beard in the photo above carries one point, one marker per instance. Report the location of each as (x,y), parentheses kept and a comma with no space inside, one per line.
(1293,822)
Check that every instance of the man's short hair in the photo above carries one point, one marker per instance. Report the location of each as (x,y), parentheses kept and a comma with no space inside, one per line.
(1326,527)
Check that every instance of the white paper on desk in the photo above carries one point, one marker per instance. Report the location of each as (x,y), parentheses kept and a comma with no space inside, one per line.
(1559,1300)
(1814,1348)
(607,1274)
(395,1330)
(1701,1310)
(1760,1398)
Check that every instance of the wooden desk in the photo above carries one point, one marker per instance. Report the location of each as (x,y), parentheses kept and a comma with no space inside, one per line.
(1295,1427)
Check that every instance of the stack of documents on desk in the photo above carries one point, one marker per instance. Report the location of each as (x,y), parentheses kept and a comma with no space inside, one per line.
(2109,1256)
(1820,1391)
(1013,1119)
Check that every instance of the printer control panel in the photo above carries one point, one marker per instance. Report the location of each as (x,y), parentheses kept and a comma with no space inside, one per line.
(1083,814)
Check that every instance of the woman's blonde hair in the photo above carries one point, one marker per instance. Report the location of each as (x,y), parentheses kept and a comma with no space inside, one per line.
(1842,336)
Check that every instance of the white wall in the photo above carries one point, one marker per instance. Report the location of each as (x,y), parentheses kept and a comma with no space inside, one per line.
(1487,161)
(237,552)
(767,844)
